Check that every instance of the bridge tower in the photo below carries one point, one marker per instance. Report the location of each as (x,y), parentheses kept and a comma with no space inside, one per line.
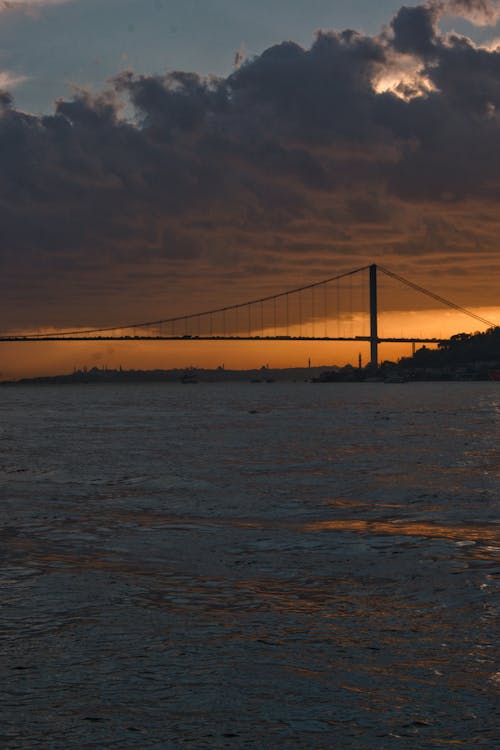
(374,340)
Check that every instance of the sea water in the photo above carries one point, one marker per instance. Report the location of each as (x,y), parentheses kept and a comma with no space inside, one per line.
(273,565)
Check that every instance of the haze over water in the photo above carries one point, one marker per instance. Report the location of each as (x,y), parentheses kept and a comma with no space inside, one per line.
(249,566)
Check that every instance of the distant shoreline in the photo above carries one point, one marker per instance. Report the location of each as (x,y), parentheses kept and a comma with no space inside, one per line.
(184,375)
(319,375)
(464,357)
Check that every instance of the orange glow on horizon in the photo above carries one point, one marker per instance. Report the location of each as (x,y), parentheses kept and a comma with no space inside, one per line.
(49,358)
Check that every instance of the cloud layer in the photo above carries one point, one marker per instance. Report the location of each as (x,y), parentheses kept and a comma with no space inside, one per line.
(301,162)
(28,5)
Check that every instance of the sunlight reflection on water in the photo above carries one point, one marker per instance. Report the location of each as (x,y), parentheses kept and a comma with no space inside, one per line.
(296,566)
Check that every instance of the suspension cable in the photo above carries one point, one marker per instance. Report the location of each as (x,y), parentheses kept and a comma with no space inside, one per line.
(209,313)
(436,297)
(205,312)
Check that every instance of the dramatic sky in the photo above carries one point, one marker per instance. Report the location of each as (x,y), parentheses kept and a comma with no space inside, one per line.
(162,156)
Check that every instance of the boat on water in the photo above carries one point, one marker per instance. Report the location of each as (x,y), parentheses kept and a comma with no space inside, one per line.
(494,374)
(188,378)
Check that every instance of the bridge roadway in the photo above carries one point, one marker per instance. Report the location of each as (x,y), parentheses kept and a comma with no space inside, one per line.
(48,337)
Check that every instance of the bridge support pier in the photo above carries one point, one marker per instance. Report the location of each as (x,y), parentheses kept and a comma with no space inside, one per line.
(374,340)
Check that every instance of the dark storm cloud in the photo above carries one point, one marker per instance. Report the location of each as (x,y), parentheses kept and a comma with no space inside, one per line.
(415,30)
(6,100)
(297,145)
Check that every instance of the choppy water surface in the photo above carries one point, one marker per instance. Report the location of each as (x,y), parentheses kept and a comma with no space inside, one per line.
(249,566)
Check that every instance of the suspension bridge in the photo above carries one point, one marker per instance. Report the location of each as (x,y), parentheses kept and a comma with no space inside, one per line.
(308,313)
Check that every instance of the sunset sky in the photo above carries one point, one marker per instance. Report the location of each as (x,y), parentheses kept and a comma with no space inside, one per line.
(160,157)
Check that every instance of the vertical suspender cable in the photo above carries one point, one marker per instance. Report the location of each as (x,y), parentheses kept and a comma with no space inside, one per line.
(300,314)
(312,311)
(325,308)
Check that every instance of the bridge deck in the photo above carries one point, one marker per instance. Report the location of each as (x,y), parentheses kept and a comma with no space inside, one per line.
(42,337)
